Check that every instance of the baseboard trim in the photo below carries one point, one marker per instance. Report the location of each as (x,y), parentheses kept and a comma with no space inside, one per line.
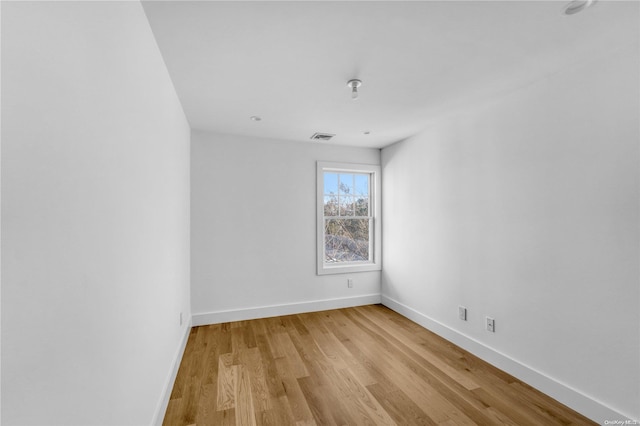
(285,309)
(161,409)
(563,393)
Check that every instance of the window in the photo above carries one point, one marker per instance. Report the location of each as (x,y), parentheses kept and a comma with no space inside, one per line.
(348,218)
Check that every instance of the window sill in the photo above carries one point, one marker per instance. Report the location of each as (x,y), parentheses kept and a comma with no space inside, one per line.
(347,269)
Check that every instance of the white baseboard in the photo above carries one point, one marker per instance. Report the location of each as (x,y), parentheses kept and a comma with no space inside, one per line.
(161,409)
(572,398)
(286,309)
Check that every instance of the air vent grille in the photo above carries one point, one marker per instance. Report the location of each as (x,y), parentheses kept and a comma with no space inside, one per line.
(322,136)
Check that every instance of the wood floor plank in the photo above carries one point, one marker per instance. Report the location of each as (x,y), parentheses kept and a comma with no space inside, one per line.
(327,346)
(415,344)
(174,412)
(227,378)
(442,382)
(206,413)
(397,396)
(361,395)
(552,407)
(384,374)
(224,418)
(294,396)
(245,412)
(314,395)
(415,384)
(320,375)
(400,407)
(356,366)
(252,361)
(281,412)
(272,378)
(284,348)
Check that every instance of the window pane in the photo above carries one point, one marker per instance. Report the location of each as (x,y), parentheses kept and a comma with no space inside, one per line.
(346,184)
(362,206)
(331,205)
(330,183)
(346,206)
(346,240)
(362,185)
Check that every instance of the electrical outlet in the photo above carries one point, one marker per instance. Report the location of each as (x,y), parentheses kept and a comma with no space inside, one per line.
(349,283)
(491,324)
(462,313)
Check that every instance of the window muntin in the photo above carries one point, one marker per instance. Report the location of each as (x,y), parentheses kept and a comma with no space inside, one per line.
(348,226)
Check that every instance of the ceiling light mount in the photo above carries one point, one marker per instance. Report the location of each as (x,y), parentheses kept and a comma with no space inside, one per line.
(354,84)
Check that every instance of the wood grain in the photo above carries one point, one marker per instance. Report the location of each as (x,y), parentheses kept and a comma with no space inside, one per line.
(355,366)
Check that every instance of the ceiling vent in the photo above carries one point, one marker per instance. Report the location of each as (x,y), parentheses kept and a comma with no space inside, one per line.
(322,136)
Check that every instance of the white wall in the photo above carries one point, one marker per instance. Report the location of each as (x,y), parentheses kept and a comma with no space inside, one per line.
(95,215)
(0,217)
(253,235)
(526,209)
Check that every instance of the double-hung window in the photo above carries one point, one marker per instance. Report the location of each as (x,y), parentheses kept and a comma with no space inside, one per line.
(348,218)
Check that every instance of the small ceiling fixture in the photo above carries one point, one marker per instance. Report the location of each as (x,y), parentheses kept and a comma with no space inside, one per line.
(354,84)
(255,118)
(322,136)
(577,6)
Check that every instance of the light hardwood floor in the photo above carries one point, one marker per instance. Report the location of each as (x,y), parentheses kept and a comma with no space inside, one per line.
(356,366)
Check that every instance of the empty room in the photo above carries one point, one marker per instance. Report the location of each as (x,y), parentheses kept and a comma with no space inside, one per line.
(320,212)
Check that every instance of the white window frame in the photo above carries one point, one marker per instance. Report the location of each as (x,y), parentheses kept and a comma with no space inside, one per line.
(375,264)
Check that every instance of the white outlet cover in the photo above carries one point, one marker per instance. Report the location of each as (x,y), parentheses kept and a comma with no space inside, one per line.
(462,313)
(491,325)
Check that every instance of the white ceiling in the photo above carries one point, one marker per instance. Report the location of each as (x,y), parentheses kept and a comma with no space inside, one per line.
(289,62)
